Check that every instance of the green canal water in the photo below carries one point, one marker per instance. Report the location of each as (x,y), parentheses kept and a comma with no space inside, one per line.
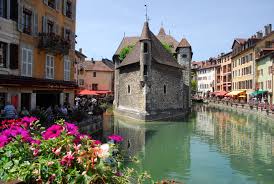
(210,146)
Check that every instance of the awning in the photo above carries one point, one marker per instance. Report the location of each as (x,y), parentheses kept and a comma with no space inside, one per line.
(259,92)
(234,93)
(103,92)
(221,93)
(87,92)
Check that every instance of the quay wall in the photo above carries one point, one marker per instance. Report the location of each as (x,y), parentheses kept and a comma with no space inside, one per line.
(244,108)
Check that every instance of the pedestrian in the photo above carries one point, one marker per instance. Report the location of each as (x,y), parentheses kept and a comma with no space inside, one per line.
(10,111)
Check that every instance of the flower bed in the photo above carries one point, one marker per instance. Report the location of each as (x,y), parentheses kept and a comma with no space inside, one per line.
(59,154)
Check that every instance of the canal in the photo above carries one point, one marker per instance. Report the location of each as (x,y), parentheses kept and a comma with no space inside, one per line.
(210,146)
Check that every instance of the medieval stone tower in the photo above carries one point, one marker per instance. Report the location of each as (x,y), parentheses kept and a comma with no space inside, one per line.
(150,83)
(184,57)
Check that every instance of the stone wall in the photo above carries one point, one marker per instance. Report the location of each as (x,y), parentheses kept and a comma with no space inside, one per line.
(171,78)
(130,76)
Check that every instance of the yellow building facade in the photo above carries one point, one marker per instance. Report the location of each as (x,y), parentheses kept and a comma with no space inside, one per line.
(46,54)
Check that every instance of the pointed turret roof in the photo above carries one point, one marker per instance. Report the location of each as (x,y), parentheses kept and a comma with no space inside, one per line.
(146,32)
(158,52)
(162,32)
(183,43)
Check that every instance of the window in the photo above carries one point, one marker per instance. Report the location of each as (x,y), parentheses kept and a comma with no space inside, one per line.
(81,82)
(49,67)
(27,14)
(164,89)
(3,54)
(50,26)
(66,69)
(145,70)
(94,74)
(95,87)
(51,3)
(3,8)
(145,48)
(184,56)
(68,9)
(67,34)
(27,60)
(128,89)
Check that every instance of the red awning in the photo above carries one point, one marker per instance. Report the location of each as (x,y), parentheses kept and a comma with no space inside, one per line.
(103,92)
(87,92)
(221,93)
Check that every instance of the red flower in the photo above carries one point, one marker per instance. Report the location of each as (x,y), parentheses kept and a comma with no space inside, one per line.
(67,159)
(116,138)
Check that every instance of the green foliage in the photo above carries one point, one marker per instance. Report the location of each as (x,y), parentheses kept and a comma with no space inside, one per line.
(125,51)
(167,47)
(194,85)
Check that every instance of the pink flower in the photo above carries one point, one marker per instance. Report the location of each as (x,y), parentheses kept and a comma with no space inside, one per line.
(35,152)
(29,120)
(97,142)
(116,138)
(57,151)
(79,137)
(72,129)
(67,159)
(52,132)
(3,140)
(77,147)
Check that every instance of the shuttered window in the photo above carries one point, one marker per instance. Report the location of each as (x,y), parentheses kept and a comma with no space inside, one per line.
(27,60)
(66,69)
(50,67)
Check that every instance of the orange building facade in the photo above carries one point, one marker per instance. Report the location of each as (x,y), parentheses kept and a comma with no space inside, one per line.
(41,73)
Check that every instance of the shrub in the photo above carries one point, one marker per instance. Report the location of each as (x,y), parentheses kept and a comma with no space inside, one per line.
(167,47)
(59,154)
(125,51)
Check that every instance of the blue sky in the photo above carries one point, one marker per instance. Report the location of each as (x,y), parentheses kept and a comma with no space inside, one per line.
(209,25)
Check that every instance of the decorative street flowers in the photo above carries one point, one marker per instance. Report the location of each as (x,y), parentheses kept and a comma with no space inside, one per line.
(59,154)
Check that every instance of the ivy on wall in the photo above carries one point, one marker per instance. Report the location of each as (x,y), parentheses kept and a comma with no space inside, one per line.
(125,51)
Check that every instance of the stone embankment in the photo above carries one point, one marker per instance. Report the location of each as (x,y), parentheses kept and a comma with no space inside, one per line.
(264,112)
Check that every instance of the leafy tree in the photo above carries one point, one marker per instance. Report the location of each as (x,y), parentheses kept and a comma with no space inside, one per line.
(193,85)
(125,51)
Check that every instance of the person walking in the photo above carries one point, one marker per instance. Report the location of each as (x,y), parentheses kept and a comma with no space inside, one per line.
(10,111)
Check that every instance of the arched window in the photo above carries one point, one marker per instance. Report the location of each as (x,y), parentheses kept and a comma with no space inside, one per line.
(164,89)
(128,89)
(145,48)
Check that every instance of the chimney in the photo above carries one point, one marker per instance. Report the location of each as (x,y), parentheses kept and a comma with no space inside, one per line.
(259,34)
(268,29)
(92,60)
(80,50)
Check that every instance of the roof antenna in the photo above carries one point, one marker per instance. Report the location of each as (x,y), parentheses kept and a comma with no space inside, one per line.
(124,34)
(146,13)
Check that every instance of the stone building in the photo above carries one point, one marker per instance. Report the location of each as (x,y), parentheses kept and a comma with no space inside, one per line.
(150,83)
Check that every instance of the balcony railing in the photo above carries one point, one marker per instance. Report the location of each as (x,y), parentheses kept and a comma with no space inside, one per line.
(54,43)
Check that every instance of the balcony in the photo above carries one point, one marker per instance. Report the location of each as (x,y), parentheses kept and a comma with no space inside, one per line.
(54,43)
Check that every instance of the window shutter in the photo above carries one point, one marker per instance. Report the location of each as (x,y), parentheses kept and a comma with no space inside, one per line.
(74,10)
(64,6)
(44,22)
(46,2)
(35,23)
(58,5)
(13,56)
(20,17)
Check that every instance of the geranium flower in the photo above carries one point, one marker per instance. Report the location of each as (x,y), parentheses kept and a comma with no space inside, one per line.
(3,140)
(52,132)
(72,129)
(67,159)
(97,142)
(116,138)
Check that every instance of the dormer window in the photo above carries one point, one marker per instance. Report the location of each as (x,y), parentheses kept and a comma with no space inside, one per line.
(145,48)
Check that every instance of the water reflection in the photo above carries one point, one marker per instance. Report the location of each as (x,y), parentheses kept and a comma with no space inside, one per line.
(211,146)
